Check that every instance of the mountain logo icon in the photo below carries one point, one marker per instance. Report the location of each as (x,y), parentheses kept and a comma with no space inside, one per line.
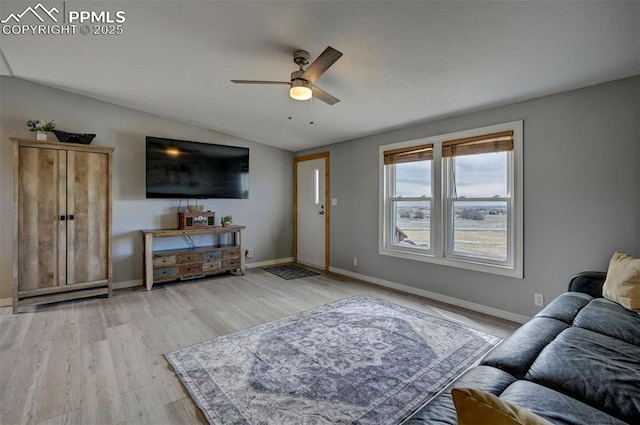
(34,11)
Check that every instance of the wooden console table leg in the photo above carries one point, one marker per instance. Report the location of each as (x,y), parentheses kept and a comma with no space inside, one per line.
(242,253)
(148,260)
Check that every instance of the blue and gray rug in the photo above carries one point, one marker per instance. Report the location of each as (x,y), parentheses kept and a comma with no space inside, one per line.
(357,360)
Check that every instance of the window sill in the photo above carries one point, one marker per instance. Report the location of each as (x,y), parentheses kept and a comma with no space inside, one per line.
(502,270)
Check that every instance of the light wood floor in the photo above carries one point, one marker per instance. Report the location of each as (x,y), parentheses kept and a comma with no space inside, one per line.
(99,361)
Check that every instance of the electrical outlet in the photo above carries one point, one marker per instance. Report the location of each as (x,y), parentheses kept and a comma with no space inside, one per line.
(248,253)
(539,300)
(355,261)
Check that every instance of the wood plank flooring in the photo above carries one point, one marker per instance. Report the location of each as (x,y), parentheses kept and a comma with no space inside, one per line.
(99,361)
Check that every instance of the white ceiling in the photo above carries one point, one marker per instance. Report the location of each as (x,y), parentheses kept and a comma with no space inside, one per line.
(404,61)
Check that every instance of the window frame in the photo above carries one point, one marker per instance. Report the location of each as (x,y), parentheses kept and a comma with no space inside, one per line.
(441,226)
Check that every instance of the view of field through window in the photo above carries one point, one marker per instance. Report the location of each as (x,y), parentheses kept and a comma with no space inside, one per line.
(479,226)
(413,223)
(478,229)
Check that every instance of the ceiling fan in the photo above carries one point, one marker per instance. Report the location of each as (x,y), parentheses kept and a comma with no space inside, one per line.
(301,84)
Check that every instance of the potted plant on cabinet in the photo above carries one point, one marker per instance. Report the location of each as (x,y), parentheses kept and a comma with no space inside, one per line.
(226,221)
(41,128)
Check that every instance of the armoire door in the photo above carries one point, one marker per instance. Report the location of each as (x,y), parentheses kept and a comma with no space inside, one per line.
(88,211)
(41,229)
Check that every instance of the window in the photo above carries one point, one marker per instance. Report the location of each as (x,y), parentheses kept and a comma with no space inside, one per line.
(410,196)
(455,199)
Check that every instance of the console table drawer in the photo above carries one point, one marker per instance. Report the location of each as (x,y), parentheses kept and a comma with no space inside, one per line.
(231,253)
(164,273)
(213,255)
(190,258)
(164,261)
(190,269)
(233,263)
(211,265)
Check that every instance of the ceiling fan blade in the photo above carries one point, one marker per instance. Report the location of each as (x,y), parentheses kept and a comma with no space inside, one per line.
(286,83)
(322,95)
(321,64)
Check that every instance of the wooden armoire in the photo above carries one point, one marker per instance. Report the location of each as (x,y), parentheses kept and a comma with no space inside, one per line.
(62,221)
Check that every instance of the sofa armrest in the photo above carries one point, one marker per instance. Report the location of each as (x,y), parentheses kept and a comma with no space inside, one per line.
(588,282)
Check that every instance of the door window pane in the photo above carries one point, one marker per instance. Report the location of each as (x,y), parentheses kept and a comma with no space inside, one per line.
(412,224)
(316,186)
(480,229)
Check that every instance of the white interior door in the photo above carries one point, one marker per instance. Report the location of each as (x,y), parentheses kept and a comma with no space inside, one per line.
(311,212)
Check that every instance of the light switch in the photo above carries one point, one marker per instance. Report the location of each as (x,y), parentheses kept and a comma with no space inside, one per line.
(334,202)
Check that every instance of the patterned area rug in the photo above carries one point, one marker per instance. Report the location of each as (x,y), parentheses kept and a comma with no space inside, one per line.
(290,271)
(357,360)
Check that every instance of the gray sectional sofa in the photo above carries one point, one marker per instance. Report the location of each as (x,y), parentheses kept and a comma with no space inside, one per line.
(577,362)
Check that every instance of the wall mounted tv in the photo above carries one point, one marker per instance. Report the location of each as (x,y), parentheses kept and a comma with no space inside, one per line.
(182,169)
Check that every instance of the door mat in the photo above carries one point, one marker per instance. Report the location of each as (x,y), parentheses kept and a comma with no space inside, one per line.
(290,271)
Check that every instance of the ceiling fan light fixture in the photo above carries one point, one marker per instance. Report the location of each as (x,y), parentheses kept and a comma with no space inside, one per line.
(300,90)
(301,85)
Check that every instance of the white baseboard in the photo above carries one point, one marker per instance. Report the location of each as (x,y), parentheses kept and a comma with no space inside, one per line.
(502,314)
(269,262)
(507,315)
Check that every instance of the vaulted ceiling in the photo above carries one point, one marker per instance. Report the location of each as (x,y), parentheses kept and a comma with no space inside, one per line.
(404,61)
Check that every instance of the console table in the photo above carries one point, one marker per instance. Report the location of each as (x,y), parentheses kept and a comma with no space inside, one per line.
(191,263)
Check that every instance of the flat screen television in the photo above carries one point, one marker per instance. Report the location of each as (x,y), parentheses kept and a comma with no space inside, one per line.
(183,169)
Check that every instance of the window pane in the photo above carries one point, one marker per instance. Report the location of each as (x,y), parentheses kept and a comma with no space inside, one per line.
(482,175)
(413,179)
(480,229)
(412,224)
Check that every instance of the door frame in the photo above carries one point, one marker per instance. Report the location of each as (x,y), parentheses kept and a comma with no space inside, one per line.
(327,203)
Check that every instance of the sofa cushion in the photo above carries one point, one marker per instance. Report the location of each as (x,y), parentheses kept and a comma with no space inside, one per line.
(609,318)
(565,307)
(518,352)
(596,369)
(623,281)
(555,407)
(440,410)
(476,407)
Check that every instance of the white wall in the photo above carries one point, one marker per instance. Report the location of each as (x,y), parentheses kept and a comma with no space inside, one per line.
(581,196)
(267,213)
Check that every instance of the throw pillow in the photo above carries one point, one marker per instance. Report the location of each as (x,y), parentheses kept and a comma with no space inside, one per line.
(622,284)
(475,407)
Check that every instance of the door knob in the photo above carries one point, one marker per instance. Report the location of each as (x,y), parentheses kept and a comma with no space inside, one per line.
(321,213)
